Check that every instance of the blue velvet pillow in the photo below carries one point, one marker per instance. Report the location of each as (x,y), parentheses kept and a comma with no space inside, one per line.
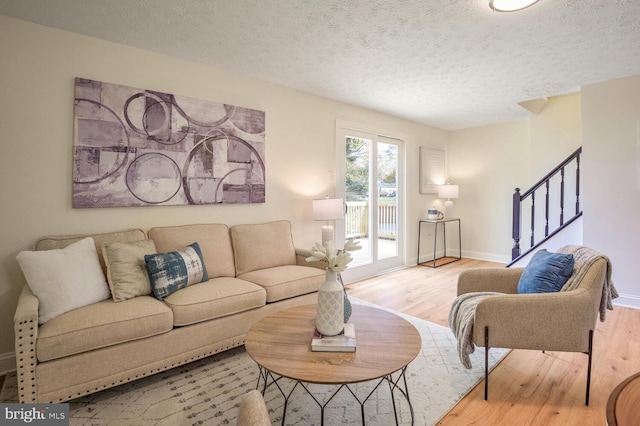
(169,272)
(546,272)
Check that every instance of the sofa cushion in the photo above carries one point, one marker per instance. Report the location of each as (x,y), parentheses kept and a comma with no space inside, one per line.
(64,279)
(284,282)
(213,239)
(546,272)
(261,246)
(61,241)
(169,272)
(215,298)
(102,324)
(126,269)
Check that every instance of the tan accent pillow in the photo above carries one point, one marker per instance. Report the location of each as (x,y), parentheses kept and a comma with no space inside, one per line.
(262,246)
(126,269)
(213,239)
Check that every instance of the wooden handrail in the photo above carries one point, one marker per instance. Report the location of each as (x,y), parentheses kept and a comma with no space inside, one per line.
(518,198)
(552,173)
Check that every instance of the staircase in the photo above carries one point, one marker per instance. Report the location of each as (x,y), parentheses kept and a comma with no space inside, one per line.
(543,206)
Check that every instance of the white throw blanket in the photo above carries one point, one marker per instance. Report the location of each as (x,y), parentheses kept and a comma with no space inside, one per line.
(461,322)
(463,309)
(583,258)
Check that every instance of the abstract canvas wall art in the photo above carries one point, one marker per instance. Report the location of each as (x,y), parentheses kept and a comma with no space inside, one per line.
(136,147)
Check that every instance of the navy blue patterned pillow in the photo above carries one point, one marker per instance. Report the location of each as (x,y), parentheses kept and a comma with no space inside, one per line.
(169,272)
(546,272)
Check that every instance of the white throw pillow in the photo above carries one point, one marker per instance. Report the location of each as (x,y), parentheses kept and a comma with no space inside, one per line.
(64,279)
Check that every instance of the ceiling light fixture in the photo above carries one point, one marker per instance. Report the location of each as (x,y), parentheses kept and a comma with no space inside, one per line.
(510,5)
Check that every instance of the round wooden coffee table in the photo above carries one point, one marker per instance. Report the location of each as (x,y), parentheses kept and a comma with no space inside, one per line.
(622,406)
(386,343)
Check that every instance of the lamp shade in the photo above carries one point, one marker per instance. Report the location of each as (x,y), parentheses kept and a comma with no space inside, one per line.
(328,209)
(448,191)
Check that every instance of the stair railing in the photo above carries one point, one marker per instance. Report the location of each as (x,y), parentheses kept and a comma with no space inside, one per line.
(530,194)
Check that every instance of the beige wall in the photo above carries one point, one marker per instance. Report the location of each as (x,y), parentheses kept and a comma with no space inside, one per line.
(555,133)
(611,129)
(487,163)
(39,65)
(490,162)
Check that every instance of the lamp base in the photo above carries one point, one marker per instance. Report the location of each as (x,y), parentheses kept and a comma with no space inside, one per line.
(327,234)
(448,208)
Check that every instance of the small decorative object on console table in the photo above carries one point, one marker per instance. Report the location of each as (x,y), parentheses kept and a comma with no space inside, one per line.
(330,317)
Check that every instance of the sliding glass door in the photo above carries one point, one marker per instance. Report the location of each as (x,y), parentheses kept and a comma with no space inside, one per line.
(368,180)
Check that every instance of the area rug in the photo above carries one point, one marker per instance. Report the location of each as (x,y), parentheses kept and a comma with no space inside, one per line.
(209,391)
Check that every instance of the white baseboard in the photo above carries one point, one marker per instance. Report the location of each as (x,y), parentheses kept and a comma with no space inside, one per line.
(627,301)
(7,363)
(489,257)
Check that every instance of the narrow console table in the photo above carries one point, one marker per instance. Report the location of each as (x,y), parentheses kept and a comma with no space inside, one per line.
(444,259)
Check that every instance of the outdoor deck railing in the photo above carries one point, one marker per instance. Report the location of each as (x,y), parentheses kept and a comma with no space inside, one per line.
(357,219)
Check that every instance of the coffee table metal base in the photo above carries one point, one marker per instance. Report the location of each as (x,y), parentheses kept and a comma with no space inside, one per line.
(399,384)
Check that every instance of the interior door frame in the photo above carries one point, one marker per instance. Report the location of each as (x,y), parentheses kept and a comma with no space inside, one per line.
(346,128)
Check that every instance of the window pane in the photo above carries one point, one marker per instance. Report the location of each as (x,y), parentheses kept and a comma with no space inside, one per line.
(387,200)
(358,160)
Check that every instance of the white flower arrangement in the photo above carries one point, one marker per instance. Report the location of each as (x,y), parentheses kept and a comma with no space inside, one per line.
(337,260)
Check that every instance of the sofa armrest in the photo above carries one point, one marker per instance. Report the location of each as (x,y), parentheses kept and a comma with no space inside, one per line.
(301,256)
(558,321)
(25,327)
(501,280)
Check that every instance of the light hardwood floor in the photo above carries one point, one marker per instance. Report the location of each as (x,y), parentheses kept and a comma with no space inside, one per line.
(527,387)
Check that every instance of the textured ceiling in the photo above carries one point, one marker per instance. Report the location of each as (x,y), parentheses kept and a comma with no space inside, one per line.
(451,64)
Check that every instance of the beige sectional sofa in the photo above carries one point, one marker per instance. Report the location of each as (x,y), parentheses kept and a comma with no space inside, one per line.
(253,270)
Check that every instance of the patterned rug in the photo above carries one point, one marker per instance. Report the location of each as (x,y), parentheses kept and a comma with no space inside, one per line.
(209,391)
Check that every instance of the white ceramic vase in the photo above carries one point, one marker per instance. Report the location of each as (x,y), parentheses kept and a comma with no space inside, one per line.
(330,316)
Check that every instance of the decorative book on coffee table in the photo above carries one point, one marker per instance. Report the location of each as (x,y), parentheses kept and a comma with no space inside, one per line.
(343,342)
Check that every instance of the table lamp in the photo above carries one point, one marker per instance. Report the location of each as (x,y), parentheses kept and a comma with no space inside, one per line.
(448,191)
(328,209)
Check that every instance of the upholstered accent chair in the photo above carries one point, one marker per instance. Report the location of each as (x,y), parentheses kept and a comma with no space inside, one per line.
(558,321)
(253,411)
